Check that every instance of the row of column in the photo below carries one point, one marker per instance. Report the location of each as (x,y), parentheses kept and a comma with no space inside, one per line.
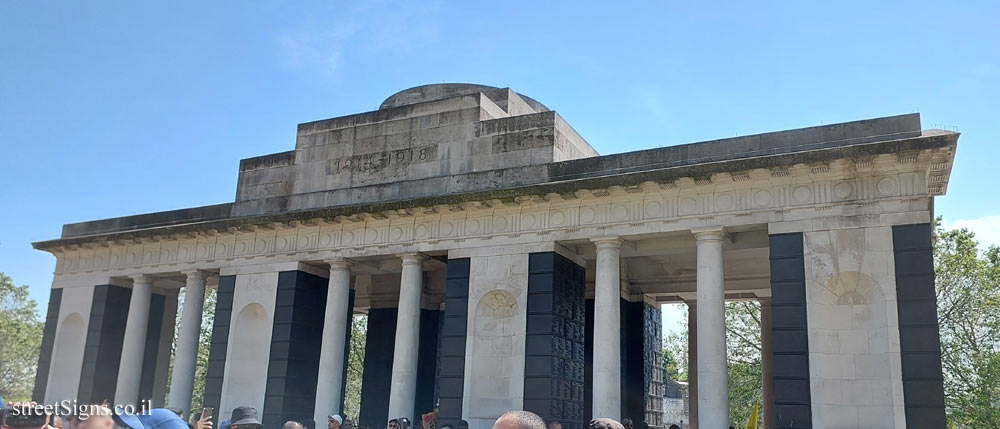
(133,344)
(710,402)
(328,393)
(403,383)
(709,355)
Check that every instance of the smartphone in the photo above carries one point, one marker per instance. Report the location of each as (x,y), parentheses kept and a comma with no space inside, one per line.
(206,412)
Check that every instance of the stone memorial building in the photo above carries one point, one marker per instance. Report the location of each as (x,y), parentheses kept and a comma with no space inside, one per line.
(504,264)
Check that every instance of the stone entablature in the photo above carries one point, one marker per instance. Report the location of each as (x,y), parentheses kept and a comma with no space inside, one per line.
(880,190)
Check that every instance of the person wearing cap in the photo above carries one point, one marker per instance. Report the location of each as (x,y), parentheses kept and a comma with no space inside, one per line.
(292,424)
(334,421)
(244,417)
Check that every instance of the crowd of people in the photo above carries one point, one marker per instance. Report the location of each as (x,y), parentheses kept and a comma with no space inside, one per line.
(243,417)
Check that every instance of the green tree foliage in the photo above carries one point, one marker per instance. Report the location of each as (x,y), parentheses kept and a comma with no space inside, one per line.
(675,349)
(743,347)
(743,343)
(355,367)
(20,341)
(968,293)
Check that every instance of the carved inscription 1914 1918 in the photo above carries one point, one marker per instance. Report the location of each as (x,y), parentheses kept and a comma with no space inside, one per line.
(376,162)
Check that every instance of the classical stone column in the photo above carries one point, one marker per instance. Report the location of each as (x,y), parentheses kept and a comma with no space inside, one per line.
(766,364)
(692,365)
(713,395)
(607,334)
(134,344)
(331,360)
(186,355)
(403,388)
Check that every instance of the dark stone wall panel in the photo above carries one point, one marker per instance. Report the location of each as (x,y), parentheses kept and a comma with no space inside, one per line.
(48,343)
(588,362)
(427,357)
(220,338)
(296,341)
(554,371)
(642,375)
(105,335)
(790,339)
(379,345)
(919,341)
(451,355)
(152,347)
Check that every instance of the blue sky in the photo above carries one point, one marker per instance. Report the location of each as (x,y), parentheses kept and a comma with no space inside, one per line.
(117,108)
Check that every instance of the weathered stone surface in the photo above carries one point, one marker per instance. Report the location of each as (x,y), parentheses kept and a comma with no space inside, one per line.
(467,147)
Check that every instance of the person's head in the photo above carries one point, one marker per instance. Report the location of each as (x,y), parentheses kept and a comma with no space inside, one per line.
(605,423)
(94,417)
(675,427)
(446,426)
(393,424)
(244,417)
(519,420)
(333,421)
(627,422)
(462,424)
(555,425)
(347,424)
(292,424)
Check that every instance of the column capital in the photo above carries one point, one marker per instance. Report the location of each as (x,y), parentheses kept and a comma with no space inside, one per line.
(608,242)
(196,274)
(339,264)
(709,233)
(412,258)
(142,279)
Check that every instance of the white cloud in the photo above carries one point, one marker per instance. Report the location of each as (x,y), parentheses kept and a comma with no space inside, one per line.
(321,50)
(327,41)
(986,228)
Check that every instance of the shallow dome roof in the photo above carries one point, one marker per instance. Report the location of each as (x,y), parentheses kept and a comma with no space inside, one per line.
(436,91)
(440,91)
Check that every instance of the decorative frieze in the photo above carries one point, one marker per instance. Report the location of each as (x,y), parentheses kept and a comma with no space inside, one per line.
(781,192)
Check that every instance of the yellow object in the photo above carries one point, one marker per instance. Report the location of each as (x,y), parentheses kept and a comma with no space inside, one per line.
(753,418)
